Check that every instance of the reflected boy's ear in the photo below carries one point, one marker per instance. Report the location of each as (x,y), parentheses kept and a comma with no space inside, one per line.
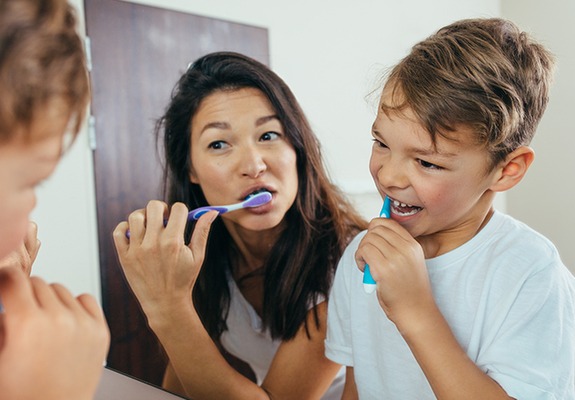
(513,169)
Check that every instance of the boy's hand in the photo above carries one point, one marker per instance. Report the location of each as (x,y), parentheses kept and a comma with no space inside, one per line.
(25,255)
(397,264)
(52,344)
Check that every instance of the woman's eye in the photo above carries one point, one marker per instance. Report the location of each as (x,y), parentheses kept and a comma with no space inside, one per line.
(269,136)
(428,165)
(217,145)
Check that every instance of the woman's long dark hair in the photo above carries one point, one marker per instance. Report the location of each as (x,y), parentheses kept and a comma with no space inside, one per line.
(320,223)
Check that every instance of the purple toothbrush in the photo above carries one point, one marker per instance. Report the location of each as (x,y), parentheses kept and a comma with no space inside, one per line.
(255,200)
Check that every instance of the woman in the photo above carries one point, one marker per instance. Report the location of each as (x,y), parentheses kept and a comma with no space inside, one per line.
(233,128)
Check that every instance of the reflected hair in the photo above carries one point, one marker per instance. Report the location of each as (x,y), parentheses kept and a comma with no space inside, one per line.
(41,60)
(319,225)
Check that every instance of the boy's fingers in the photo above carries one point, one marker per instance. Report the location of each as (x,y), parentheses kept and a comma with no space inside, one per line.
(91,305)
(16,293)
(31,241)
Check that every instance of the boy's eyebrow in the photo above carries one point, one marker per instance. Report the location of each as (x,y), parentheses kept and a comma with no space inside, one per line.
(432,152)
(224,125)
(420,151)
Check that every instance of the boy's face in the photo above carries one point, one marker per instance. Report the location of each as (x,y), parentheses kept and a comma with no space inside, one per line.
(23,165)
(441,194)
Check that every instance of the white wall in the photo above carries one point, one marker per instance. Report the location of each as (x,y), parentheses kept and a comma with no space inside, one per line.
(330,53)
(545,199)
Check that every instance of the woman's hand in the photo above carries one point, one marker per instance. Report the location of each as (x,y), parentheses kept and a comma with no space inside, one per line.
(160,268)
(25,255)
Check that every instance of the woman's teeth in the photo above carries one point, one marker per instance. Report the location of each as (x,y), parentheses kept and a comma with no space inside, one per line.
(404,210)
(252,194)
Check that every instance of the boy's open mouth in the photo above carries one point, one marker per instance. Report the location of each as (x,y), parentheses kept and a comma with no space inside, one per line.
(404,210)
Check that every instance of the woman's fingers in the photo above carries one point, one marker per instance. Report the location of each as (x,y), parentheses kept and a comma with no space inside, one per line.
(199,239)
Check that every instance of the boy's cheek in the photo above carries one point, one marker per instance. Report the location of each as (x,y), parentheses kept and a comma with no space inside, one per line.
(13,228)
(9,241)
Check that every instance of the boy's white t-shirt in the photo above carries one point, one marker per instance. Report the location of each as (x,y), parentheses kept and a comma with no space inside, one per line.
(246,340)
(507,297)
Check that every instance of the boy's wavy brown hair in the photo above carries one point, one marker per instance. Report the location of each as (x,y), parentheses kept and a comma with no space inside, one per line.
(480,73)
(41,60)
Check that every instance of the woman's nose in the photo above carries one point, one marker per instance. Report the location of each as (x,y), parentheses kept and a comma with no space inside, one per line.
(252,163)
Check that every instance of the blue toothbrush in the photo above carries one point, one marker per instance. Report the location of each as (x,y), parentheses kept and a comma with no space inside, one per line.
(369,284)
(255,200)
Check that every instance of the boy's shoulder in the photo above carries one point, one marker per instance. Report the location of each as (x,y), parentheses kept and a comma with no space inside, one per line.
(511,246)
(505,231)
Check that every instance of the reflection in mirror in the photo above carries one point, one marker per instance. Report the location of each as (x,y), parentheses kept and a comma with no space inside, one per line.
(131,89)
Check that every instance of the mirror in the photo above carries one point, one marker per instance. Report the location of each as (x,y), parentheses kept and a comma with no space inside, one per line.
(341,45)
(132,89)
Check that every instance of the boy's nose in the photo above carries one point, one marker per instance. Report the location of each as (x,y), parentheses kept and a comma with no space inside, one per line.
(391,175)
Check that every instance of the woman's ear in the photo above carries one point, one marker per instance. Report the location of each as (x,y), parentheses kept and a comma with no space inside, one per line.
(193,176)
(513,169)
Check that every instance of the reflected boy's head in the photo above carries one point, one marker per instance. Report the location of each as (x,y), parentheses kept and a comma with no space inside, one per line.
(44,92)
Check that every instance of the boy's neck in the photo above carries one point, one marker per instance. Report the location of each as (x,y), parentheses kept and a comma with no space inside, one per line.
(443,242)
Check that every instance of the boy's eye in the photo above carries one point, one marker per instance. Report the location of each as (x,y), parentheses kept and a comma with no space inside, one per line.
(428,165)
(379,143)
(217,145)
(269,136)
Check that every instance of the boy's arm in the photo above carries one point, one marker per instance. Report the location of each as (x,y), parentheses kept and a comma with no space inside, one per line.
(349,390)
(448,369)
(404,292)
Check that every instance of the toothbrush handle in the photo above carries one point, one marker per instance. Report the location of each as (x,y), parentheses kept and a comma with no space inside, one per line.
(197,213)
(369,284)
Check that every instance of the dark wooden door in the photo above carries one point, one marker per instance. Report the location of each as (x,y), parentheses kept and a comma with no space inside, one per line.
(137,54)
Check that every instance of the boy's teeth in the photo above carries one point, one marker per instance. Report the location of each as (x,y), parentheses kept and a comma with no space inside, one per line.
(398,204)
(404,209)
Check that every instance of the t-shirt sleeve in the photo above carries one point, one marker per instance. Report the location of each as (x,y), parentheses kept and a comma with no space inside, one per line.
(532,352)
(338,339)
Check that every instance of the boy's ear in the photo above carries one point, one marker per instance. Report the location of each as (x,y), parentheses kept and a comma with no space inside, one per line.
(513,169)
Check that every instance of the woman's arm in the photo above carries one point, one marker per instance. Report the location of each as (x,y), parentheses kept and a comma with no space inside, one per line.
(300,369)
(162,271)
(197,369)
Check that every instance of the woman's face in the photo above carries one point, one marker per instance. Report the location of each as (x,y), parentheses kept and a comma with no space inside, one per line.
(239,147)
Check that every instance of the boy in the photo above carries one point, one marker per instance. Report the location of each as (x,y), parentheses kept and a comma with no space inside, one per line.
(471,304)
(52,344)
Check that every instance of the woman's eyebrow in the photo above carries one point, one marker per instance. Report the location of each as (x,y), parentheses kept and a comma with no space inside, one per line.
(215,125)
(263,120)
